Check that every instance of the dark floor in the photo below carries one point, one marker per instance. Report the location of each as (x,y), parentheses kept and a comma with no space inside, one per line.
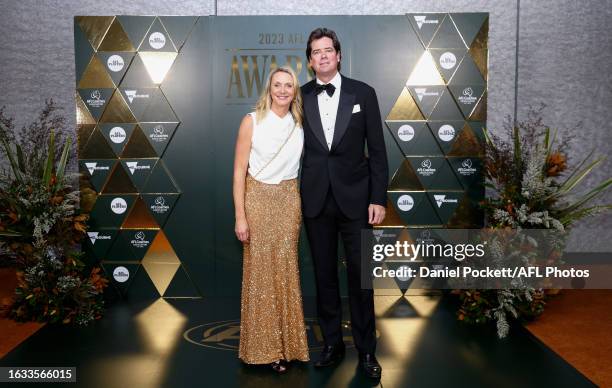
(192,343)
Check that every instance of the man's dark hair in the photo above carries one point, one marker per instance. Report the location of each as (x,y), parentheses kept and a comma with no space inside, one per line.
(323,32)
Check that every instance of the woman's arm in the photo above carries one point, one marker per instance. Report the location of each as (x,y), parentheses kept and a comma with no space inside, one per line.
(241,164)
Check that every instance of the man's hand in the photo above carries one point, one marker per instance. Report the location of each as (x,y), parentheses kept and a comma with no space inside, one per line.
(376,214)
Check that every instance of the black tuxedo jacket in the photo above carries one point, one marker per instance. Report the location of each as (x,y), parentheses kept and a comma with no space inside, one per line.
(355,180)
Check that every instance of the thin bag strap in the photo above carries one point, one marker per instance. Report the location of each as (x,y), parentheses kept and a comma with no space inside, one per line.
(277,152)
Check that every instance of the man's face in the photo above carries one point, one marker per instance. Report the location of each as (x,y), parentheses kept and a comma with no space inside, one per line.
(323,57)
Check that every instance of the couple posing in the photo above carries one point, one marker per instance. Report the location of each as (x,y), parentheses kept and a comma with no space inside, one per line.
(341,191)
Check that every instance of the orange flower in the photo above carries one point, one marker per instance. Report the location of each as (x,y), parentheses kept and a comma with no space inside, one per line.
(555,164)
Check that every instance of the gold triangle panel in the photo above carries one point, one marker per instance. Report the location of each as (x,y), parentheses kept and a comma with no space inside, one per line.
(466,144)
(392,219)
(405,108)
(480,112)
(97,147)
(88,196)
(84,131)
(117,110)
(405,179)
(119,182)
(161,274)
(158,64)
(138,146)
(94,27)
(116,39)
(481,59)
(467,215)
(161,251)
(425,72)
(481,40)
(139,217)
(95,75)
(83,116)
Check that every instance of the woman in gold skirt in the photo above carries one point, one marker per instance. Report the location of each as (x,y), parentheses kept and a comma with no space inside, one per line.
(268,219)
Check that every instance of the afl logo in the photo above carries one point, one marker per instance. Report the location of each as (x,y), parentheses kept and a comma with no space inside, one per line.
(225,335)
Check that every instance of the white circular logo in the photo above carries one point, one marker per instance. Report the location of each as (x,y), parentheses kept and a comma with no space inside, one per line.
(448,60)
(159,201)
(157,40)
(404,270)
(426,163)
(446,132)
(405,202)
(405,132)
(115,63)
(118,205)
(121,274)
(158,130)
(467,163)
(468,92)
(117,135)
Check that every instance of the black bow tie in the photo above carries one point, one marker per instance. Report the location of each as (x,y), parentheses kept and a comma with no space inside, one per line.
(329,88)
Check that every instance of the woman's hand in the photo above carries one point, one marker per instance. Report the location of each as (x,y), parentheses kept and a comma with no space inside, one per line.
(242,230)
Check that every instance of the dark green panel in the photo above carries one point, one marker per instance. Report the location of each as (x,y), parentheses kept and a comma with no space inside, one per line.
(139,171)
(96,171)
(178,27)
(135,27)
(426,97)
(96,100)
(414,138)
(137,76)
(100,241)
(121,275)
(120,250)
(110,210)
(138,240)
(426,25)
(446,109)
(117,135)
(434,173)
(157,39)
(467,96)
(446,132)
(160,181)
(467,73)
(445,203)
(181,286)
(116,63)
(468,170)
(447,60)
(142,287)
(447,36)
(414,208)
(159,135)
(160,205)
(82,51)
(469,24)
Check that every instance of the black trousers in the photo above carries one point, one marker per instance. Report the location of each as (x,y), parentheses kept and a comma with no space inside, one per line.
(322,232)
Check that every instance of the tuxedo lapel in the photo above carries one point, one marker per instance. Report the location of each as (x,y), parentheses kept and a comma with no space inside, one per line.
(311,108)
(345,110)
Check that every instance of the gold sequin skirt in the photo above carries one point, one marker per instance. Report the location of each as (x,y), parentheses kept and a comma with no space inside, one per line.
(271,316)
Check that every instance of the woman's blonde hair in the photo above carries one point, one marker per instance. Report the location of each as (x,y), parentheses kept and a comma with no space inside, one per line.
(265,100)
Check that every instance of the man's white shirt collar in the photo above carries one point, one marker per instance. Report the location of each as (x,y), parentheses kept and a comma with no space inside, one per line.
(336,81)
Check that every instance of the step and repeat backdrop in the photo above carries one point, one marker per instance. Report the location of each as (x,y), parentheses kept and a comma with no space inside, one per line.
(159,100)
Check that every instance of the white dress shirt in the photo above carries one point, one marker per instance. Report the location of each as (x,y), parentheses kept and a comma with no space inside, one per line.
(328,108)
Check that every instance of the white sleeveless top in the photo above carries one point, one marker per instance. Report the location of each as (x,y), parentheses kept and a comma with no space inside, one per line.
(268,136)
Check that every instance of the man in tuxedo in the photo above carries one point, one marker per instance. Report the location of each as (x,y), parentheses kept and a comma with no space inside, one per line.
(343,191)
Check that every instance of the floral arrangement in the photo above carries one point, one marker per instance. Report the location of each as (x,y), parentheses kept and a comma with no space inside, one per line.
(529,187)
(41,226)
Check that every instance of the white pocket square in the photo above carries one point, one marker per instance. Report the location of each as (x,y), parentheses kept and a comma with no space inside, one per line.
(356,108)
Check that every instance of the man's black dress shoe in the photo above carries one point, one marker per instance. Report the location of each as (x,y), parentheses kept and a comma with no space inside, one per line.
(330,355)
(369,365)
